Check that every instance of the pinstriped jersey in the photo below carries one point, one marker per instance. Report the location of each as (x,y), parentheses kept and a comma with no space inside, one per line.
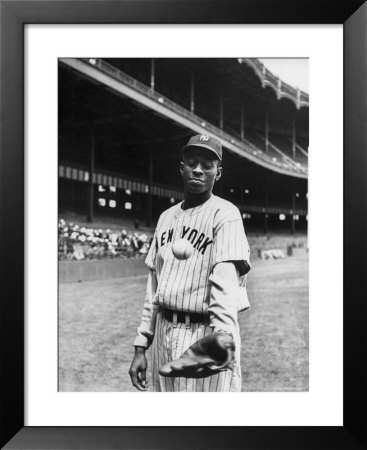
(216,232)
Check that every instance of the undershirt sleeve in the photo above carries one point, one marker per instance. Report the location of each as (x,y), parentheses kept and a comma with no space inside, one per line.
(225,297)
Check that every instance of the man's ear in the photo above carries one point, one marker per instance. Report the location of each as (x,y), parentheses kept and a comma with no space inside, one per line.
(219,173)
(181,168)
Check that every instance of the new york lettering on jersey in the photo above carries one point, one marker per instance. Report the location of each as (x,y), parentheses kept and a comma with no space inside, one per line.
(199,241)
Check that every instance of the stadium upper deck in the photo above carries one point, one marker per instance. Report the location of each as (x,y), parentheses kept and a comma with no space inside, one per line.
(214,96)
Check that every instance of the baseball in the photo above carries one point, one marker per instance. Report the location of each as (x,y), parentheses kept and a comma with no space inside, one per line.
(182,249)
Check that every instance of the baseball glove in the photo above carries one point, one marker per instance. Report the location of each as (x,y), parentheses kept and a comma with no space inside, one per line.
(207,356)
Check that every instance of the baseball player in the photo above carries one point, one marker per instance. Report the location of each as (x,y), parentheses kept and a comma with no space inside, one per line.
(190,299)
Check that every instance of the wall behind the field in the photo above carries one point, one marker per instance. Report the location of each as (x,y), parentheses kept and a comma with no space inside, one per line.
(104,269)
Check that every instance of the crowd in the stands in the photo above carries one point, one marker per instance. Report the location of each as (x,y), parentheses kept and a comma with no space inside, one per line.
(78,242)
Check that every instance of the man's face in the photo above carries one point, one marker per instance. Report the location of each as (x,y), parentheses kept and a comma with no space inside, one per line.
(199,170)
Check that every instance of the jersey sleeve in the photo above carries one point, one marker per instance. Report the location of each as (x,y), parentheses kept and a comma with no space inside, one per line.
(230,241)
(145,332)
(150,260)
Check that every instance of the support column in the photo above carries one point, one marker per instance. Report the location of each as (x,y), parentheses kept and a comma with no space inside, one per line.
(279,88)
(242,123)
(192,92)
(293,222)
(90,205)
(294,139)
(150,194)
(266,132)
(221,110)
(263,75)
(242,201)
(152,74)
(298,98)
(266,215)
(266,223)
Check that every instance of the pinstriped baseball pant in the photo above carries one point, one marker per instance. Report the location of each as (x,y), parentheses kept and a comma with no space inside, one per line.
(170,343)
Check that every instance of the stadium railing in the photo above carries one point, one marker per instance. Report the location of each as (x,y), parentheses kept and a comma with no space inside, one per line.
(281,88)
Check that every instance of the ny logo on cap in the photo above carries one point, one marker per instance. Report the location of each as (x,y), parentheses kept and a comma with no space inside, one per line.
(204,137)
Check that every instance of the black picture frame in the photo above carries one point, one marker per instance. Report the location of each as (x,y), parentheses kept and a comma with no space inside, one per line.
(14,14)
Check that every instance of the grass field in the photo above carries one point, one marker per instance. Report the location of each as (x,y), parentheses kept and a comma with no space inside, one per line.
(98,320)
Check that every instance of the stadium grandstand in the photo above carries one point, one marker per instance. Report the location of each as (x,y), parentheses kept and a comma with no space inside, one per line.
(123,122)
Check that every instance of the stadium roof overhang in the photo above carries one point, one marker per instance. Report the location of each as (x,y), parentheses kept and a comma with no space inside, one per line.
(163,107)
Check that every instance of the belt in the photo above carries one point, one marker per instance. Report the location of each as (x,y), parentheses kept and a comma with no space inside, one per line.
(184,317)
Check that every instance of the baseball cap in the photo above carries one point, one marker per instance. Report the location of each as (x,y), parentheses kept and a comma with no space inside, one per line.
(208,142)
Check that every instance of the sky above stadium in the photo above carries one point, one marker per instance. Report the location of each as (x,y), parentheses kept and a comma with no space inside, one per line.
(293,71)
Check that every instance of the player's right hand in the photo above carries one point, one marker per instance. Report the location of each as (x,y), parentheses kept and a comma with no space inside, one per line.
(138,369)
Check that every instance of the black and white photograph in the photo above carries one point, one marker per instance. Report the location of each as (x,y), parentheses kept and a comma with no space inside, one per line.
(178,217)
(183,253)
